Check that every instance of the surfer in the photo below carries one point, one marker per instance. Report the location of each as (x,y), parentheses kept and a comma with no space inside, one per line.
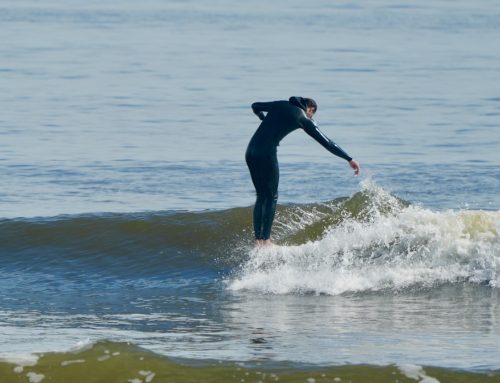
(279,118)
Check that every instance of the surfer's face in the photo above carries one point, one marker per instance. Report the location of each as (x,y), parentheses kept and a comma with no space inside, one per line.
(310,111)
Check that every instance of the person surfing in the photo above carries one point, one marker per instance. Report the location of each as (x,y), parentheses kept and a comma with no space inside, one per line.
(279,118)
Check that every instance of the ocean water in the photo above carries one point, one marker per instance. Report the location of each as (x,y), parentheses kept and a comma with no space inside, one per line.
(125,208)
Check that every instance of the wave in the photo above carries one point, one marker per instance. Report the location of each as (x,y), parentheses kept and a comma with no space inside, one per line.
(174,237)
(142,241)
(125,362)
(376,242)
(367,242)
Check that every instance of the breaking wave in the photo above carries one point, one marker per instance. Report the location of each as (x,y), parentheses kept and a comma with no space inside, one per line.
(374,241)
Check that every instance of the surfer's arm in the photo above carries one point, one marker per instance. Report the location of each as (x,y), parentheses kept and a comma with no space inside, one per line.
(260,107)
(312,129)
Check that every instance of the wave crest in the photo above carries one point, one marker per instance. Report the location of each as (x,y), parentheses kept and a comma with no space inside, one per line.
(382,243)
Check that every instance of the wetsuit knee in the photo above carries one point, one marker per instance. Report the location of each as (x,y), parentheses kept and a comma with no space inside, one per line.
(267,194)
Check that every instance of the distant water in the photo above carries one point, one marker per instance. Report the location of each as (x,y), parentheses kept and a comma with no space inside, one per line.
(118,106)
(125,207)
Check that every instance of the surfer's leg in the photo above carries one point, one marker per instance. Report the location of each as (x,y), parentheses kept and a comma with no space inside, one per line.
(265,177)
(271,175)
(255,168)
(257,216)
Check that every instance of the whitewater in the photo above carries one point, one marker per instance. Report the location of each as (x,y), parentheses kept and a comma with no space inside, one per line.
(388,245)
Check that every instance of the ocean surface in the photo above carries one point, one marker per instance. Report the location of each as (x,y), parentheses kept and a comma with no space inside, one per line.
(125,208)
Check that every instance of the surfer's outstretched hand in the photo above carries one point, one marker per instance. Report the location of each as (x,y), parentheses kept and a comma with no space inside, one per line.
(354,164)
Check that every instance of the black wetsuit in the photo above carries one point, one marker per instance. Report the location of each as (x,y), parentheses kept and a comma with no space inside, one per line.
(282,118)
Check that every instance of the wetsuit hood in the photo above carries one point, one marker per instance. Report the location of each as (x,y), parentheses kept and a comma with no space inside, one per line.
(299,102)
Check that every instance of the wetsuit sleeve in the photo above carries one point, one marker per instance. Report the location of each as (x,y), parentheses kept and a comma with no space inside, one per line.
(312,129)
(260,107)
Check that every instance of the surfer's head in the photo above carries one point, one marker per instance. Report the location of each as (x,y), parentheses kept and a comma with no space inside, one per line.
(311,107)
(308,105)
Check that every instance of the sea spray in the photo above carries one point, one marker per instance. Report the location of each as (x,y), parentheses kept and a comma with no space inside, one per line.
(381,244)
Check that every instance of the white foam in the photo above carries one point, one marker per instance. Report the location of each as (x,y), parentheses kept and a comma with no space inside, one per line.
(82,345)
(22,354)
(396,247)
(149,376)
(22,360)
(34,377)
(417,373)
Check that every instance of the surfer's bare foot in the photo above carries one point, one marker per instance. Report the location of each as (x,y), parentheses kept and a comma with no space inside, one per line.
(263,242)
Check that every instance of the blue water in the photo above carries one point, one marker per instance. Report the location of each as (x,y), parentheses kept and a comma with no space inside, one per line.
(143,110)
(104,103)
